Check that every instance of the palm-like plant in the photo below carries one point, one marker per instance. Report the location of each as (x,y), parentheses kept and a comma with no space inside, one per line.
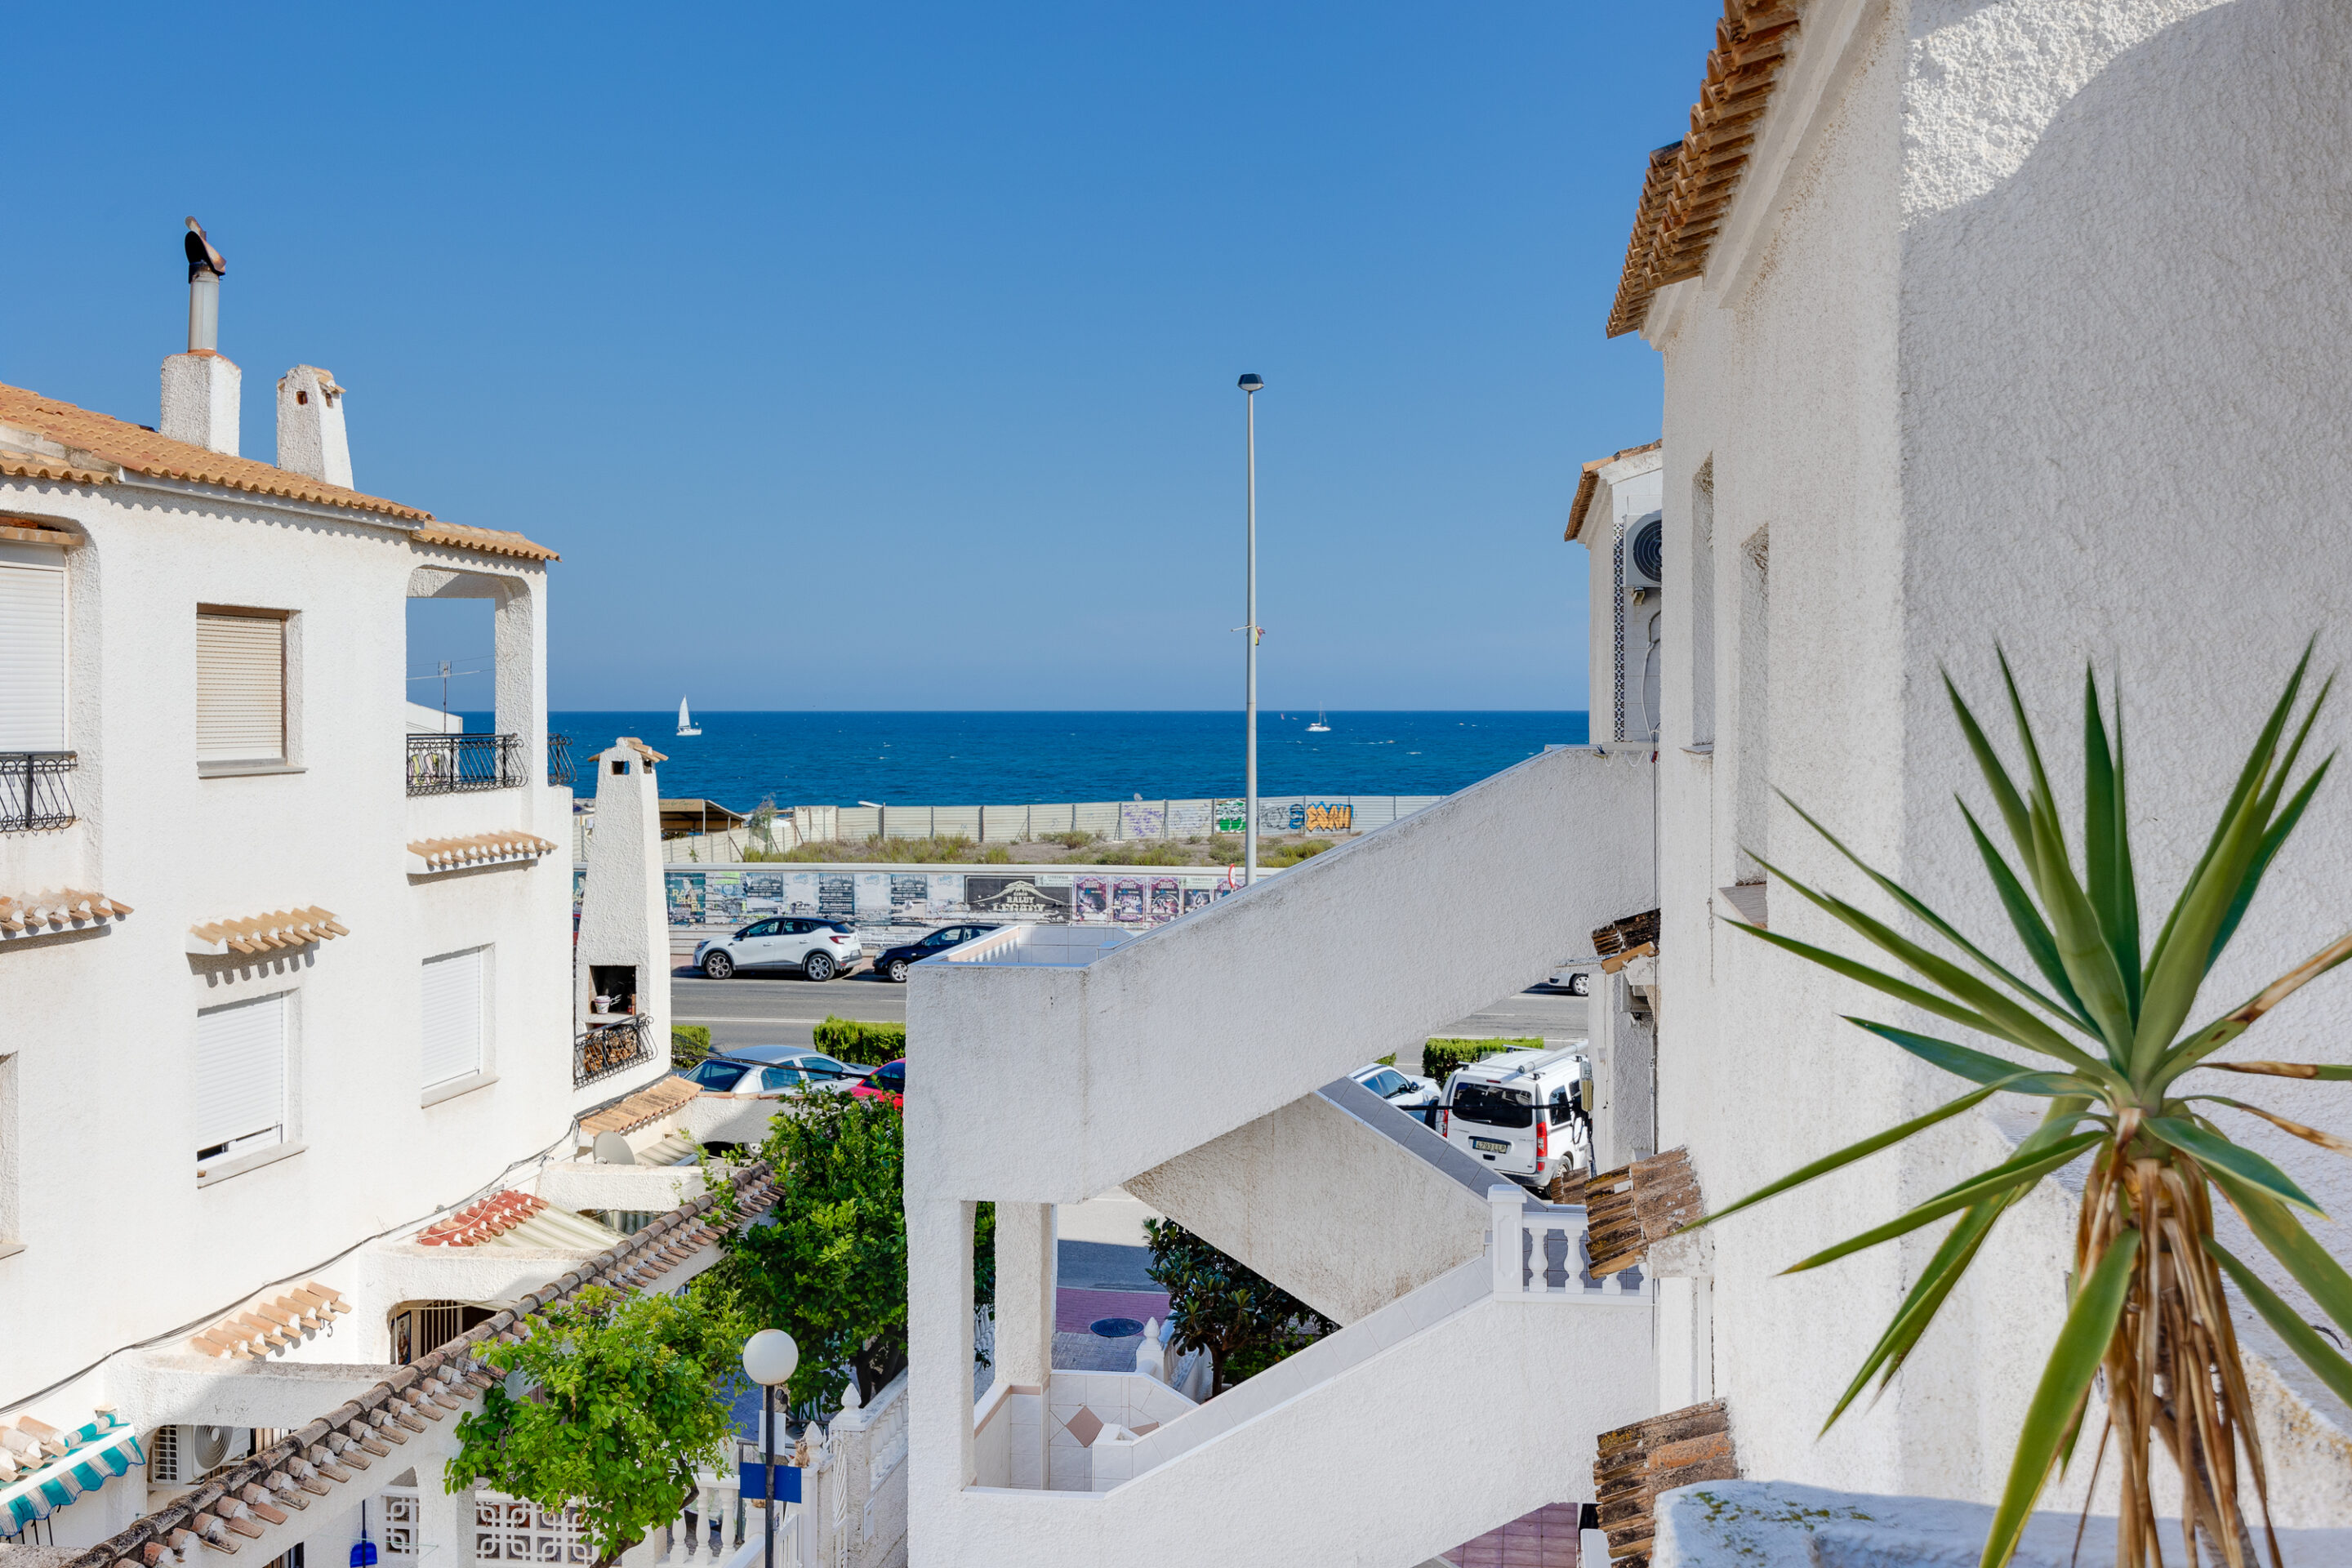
(2109,1021)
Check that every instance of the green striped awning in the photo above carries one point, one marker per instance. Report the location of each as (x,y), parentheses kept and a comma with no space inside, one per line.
(101,1451)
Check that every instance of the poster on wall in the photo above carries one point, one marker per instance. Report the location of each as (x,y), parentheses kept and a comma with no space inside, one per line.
(1199,892)
(579,890)
(723,897)
(763,893)
(1127,902)
(1017,897)
(836,895)
(947,893)
(1089,899)
(802,894)
(1233,815)
(874,895)
(685,897)
(910,896)
(1167,899)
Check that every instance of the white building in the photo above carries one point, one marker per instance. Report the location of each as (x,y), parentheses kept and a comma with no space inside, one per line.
(290,1083)
(2016,321)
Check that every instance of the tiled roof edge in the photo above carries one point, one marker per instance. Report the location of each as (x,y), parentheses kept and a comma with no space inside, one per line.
(1586,486)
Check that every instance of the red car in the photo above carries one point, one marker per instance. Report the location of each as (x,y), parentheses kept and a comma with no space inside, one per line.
(888,1082)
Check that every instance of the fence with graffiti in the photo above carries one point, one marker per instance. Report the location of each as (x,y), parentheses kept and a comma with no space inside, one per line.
(879,898)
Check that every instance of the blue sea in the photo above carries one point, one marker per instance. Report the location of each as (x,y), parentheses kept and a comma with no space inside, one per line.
(1010,758)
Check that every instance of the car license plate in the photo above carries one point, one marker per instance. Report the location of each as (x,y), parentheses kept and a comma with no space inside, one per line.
(1490,1145)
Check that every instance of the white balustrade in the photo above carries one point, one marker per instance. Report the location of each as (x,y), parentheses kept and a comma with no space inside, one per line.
(1537,1249)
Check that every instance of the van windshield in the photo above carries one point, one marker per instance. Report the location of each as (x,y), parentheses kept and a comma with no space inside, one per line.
(1491,1107)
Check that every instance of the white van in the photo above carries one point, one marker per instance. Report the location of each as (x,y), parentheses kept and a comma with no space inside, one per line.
(1529,1115)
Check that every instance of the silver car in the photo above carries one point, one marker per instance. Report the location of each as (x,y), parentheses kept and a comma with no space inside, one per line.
(817,949)
(772,1070)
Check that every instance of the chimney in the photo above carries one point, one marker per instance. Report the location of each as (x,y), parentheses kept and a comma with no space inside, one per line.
(311,438)
(200,387)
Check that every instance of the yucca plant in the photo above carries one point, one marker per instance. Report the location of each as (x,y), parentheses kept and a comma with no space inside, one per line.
(2110,1022)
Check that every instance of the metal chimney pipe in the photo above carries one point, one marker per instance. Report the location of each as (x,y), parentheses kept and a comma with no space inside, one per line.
(206,266)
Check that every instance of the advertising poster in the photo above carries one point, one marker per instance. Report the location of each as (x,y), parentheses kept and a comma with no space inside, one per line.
(1320,817)
(910,896)
(946,892)
(579,890)
(723,897)
(1233,815)
(763,893)
(874,895)
(802,894)
(1142,818)
(685,897)
(1199,892)
(1090,898)
(1167,899)
(1127,902)
(1017,897)
(836,895)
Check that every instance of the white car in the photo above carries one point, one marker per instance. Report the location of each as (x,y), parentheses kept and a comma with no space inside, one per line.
(772,1070)
(1400,1089)
(1526,1113)
(818,950)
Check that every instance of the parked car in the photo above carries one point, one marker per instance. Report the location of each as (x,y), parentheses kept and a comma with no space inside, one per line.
(771,1069)
(888,1081)
(818,948)
(1529,1115)
(1400,1089)
(892,964)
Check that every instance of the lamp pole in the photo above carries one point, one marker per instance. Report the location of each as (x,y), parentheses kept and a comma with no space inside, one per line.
(769,1359)
(1249,384)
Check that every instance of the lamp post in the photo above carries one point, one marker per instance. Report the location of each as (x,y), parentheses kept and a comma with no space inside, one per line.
(1249,384)
(768,1358)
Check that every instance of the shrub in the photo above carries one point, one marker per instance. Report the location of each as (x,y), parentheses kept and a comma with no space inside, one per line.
(855,1040)
(1225,847)
(689,1044)
(1148,852)
(1245,1321)
(1441,1055)
(1077,841)
(998,856)
(1292,853)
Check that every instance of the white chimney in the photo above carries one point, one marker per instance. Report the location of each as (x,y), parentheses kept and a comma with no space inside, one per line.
(200,387)
(311,438)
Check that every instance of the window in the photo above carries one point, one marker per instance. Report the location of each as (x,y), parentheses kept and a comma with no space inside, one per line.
(33,630)
(892,1080)
(716,1075)
(774,1078)
(764,928)
(1492,1107)
(1384,1083)
(241,1078)
(240,686)
(453,1016)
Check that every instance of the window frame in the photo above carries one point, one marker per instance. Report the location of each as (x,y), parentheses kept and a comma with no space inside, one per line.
(290,749)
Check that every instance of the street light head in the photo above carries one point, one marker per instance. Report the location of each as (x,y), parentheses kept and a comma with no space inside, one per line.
(1252,382)
(769,1357)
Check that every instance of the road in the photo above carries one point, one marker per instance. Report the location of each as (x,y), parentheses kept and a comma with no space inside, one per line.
(782,1010)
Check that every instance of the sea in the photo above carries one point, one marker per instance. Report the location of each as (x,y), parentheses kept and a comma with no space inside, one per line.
(1011,759)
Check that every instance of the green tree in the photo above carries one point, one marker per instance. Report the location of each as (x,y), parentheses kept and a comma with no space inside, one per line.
(626,1398)
(1245,1321)
(828,1263)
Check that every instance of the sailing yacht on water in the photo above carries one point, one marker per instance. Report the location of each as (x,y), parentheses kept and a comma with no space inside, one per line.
(686,724)
(1319,727)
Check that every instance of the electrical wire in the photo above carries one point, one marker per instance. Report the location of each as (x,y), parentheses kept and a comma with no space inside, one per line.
(541,1157)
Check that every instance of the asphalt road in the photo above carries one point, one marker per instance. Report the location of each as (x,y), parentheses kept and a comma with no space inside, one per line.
(782,1010)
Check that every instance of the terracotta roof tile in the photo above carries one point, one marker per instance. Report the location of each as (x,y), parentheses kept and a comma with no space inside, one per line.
(31,465)
(62,909)
(477,850)
(490,540)
(1691,183)
(1590,483)
(649,1104)
(143,451)
(259,933)
(277,1323)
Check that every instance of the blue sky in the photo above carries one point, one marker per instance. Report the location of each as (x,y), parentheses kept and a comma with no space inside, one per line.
(884,356)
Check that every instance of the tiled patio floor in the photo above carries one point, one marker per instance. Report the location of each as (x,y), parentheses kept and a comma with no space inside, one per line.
(1543,1538)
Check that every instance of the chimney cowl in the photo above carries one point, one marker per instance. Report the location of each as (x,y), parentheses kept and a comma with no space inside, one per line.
(310,434)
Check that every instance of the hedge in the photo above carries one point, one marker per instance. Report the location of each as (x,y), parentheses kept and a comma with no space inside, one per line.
(855,1040)
(1439,1056)
(689,1044)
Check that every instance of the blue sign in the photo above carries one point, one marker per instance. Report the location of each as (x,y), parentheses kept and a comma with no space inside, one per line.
(754,1479)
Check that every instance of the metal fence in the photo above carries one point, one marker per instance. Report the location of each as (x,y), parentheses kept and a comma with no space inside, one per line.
(608,1048)
(33,793)
(447,764)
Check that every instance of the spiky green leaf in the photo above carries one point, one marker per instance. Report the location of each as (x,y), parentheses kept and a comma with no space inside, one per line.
(2106,841)
(2311,1350)
(1850,1152)
(2216,1152)
(2065,1381)
(2020,1170)
(2281,828)
(1977,1067)
(2026,920)
(2005,795)
(1944,1271)
(2283,1237)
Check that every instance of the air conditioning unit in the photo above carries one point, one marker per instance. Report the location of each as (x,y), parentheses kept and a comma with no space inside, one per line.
(181,1455)
(1645,555)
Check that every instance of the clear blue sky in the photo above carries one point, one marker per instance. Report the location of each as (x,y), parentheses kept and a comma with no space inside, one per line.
(884,356)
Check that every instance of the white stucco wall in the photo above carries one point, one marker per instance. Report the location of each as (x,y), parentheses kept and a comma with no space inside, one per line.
(2028,327)
(100,1026)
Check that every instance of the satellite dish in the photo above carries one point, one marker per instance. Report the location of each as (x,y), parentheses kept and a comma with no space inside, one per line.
(613,1148)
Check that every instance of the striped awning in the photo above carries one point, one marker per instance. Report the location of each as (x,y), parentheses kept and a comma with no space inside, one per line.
(94,1455)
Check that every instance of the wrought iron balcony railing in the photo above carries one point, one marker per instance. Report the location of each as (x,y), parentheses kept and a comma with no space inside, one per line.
(447,764)
(608,1048)
(558,759)
(33,793)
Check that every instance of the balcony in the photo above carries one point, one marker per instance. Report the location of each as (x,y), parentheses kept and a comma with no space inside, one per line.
(559,762)
(609,1048)
(456,765)
(33,793)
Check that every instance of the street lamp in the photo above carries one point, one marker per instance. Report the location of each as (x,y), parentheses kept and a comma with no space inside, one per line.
(1250,384)
(768,1358)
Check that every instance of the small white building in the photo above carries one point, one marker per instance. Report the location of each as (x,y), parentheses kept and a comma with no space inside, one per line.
(284,975)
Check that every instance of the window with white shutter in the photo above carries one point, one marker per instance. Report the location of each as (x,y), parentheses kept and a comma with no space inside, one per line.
(33,664)
(241,1077)
(240,687)
(453,1016)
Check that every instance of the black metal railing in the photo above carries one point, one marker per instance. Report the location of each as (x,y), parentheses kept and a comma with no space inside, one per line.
(33,791)
(447,764)
(608,1048)
(558,759)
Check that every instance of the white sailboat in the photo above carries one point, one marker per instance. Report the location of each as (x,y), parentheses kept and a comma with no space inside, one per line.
(686,724)
(1319,727)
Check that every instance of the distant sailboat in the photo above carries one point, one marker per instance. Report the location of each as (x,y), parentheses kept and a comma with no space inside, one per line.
(1319,727)
(686,724)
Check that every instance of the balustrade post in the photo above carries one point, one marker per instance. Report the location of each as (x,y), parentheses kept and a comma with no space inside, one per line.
(1504,1202)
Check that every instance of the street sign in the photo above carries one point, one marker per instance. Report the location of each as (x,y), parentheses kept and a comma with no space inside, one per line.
(754,1479)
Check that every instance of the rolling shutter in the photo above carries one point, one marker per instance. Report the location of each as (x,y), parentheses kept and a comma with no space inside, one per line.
(32,658)
(241,1074)
(453,1016)
(240,688)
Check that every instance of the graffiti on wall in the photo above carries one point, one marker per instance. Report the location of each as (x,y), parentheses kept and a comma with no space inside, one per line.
(884,899)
